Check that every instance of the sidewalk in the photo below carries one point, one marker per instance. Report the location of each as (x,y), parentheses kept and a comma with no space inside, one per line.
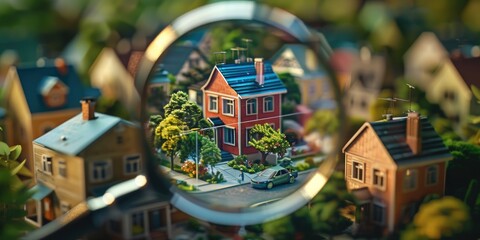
(232,177)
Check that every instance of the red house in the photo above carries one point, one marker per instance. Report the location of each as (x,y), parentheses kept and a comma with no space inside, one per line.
(238,96)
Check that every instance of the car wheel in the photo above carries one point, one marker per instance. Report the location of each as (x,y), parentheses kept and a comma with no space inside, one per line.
(292,179)
(270,185)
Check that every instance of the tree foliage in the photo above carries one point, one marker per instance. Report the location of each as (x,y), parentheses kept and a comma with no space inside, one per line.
(462,168)
(210,153)
(324,122)
(168,135)
(445,218)
(270,141)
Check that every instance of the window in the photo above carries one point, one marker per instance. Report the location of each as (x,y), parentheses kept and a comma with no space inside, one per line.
(268,104)
(132,164)
(138,224)
(378,213)
(357,171)
(410,179)
(62,168)
(379,179)
(251,106)
(101,171)
(213,103)
(47,164)
(64,207)
(432,175)
(228,107)
(229,135)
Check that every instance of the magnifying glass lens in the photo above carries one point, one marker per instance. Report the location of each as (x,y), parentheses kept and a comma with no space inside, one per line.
(243,112)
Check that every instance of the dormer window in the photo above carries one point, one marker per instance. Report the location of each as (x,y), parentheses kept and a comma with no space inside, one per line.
(54,92)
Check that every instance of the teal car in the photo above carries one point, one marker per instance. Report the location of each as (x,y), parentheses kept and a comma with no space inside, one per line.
(273,176)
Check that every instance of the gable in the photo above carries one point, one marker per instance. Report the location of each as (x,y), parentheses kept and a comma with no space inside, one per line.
(287,62)
(217,84)
(53,91)
(366,144)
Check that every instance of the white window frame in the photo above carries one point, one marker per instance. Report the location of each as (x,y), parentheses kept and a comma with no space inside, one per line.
(64,207)
(381,206)
(62,168)
(378,174)
(228,103)
(428,175)
(108,171)
(210,100)
(265,104)
(410,178)
(252,106)
(47,162)
(132,160)
(355,173)
(233,138)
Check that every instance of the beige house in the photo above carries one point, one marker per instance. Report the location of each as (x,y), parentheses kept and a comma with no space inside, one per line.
(38,99)
(451,88)
(302,63)
(423,58)
(112,77)
(390,167)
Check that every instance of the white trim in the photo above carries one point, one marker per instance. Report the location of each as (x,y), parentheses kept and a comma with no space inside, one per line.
(239,126)
(62,164)
(233,106)
(209,103)
(47,164)
(126,161)
(263,94)
(255,108)
(108,170)
(384,176)
(353,170)
(273,104)
(223,140)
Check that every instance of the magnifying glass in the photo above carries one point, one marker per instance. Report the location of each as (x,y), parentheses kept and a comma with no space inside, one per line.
(256,138)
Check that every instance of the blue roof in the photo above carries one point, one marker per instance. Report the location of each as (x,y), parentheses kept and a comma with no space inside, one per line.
(33,79)
(392,134)
(76,134)
(242,78)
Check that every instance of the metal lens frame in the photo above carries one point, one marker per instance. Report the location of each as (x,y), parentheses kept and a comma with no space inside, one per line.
(242,11)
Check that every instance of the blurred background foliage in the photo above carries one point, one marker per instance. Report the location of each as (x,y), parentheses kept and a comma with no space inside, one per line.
(390,25)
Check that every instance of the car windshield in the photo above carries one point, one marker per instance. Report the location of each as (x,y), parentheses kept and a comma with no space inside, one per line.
(267,173)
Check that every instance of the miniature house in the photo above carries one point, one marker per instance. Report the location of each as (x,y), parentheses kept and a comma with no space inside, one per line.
(179,59)
(451,88)
(367,75)
(109,74)
(39,99)
(238,96)
(302,63)
(390,166)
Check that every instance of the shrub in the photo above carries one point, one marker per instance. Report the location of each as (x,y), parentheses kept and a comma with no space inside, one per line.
(216,178)
(240,159)
(302,166)
(231,163)
(309,160)
(189,168)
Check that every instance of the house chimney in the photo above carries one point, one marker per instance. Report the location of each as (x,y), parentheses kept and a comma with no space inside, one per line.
(414,138)
(88,108)
(259,68)
(61,66)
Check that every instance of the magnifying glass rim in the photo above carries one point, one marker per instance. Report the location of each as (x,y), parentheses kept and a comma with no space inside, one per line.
(226,12)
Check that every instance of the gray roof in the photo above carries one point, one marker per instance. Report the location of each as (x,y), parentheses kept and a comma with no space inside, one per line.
(76,134)
(392,134)
(242,78)
(176,56)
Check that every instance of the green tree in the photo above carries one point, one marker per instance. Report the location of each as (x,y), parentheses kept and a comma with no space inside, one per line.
(270,141)
(210,153)
(324,122)
(168,136)
(445,218)
(184,109)
(462,168)
(293,89)
(281,228)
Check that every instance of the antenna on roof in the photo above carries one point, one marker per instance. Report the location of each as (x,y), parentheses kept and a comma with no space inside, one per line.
(389,115)
(237,49)
(219,54)
(246,41)
(410,92)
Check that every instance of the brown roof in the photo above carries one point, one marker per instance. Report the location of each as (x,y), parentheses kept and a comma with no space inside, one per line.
(468,69)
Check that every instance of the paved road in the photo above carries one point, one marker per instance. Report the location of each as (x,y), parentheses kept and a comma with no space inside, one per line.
(245,196)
